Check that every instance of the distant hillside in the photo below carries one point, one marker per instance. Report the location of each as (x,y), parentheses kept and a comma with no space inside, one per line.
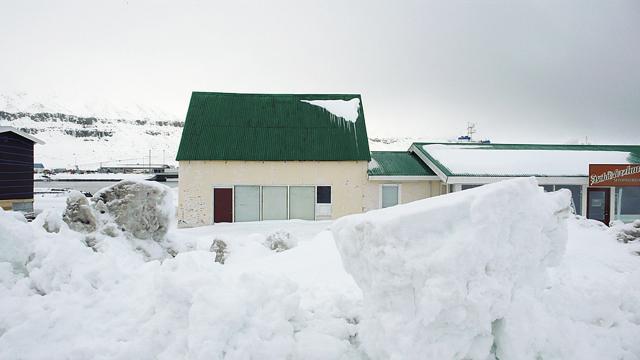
(81,135)
(88,135)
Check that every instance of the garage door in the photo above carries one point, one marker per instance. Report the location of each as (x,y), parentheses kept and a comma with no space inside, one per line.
(302,202)
(247,203)
(274,203)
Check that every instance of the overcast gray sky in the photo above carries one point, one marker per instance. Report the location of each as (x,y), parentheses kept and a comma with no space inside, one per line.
(538,71)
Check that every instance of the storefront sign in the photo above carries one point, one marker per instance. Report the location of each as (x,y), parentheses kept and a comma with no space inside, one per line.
(614,175)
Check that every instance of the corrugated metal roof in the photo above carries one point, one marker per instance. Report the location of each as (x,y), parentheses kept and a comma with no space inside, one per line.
(270,127)
(397,163)
(536,159)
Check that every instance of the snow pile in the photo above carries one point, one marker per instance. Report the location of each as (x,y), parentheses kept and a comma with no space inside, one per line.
(439,275)
(79,214)
(462,275)
(108,300)
(626,232)
(346,109)
(280,240)
(590,308)
(143,209)
(16,237)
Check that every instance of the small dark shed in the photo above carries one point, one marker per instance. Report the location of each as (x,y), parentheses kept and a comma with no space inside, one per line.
(16,169)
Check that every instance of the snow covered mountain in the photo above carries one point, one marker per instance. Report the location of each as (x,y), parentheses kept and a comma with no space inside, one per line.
(92,133)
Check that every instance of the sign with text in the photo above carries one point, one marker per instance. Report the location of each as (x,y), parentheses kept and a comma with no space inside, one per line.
(614,174)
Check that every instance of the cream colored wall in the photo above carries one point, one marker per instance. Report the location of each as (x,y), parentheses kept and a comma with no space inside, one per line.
(348,180)
(409,191)
(8,204)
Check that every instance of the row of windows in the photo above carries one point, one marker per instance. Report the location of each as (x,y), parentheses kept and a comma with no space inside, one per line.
(576,193)
(255,203)
(627,199)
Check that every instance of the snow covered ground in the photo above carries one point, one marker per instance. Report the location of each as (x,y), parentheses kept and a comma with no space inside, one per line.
(91,176)
(69,295)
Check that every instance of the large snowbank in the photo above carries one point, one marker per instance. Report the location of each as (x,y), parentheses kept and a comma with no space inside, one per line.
(60,298)
(72,295)
(464,276)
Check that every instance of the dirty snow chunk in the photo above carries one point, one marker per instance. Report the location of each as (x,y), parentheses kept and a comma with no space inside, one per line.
(436,274)
(279,240)
(79,214)
(346,109)
(143,208)
(219,247)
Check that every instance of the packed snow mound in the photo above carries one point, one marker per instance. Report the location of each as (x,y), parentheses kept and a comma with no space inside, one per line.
(143,208)
(79,214)
(110,302)
(439,275)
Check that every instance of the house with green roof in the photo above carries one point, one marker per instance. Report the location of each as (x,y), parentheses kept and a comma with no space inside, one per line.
(398,177)
(252,157)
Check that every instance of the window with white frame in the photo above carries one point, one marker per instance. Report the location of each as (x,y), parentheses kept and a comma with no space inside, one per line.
(323,194)
(389,195)
(627,203)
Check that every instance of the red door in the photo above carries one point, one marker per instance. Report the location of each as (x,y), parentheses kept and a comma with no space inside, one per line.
(598,202)
(222,205)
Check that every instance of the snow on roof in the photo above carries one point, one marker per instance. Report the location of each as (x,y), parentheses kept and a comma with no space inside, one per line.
(373,164)
(346,109)
(20,133)
(481,160)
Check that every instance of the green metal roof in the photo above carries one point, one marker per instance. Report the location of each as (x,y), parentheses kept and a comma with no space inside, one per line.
(270,127)
(554,158)
(397,163)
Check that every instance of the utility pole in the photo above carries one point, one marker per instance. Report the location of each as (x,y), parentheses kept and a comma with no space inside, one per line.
(163,162)
(149,161)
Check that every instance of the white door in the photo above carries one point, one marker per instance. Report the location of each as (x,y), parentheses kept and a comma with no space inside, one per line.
(274,203)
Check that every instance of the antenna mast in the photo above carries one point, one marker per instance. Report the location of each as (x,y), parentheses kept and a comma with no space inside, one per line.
(471,129)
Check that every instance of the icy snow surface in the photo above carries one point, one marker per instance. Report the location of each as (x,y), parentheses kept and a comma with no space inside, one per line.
(465,276)
(346,109)
(481,160)
(67,295)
